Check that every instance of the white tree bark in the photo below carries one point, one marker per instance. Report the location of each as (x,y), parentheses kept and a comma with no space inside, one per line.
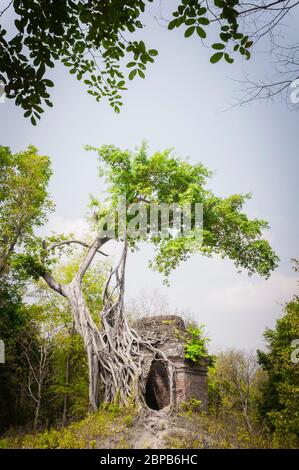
(114,350)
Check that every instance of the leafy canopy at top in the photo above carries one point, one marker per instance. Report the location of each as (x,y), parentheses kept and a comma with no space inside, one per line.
(98,42)
(24,200)
(164,178)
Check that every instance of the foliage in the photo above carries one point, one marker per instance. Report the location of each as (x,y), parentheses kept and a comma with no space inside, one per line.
(15,408)
(96,430)
(70,371)
(24,200)
(196,17)
(235,382)
(98,43)
(64,271)
(191,406)
(280,401)
(195,343)
(25,329)
(163,177)
(75,33)
(226,430)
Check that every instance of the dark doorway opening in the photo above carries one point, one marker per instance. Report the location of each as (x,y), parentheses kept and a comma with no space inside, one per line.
(157,394)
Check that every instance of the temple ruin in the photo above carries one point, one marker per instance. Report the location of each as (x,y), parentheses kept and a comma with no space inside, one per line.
(190,379)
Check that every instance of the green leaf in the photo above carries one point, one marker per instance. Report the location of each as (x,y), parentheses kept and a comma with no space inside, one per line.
(201,11)
(228,59)
(216,57)
(238,36)
(172,24)
(132,74)
(189,31)
(244,40)
(218,46)
(225,36)
(48,83)
(201,32)
(204,21)
(190,21)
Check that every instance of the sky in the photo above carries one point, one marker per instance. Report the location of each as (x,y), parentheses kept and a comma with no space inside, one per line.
(183,103)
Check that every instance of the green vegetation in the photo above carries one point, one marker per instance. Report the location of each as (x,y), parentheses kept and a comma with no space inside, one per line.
(106,428)
(195,343)
(279,405)
(44,382)
(98,42)
(163,176)
(200,430)
(24,179)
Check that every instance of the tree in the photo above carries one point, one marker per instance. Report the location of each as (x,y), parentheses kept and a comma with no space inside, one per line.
(280,402)
(69,377)
(13,321)
(114,349)
(235,382)
(147,304)
(24,204)
(241,26)
(24,201)
(37,349)
(92,38)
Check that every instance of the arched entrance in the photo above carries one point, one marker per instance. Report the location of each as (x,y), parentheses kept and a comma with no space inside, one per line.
(157,393)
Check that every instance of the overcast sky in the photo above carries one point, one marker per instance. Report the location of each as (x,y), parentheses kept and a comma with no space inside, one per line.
(181,104)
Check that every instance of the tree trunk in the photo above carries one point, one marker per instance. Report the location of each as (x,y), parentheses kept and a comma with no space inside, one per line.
(114,351)
(36,413)
(67,381)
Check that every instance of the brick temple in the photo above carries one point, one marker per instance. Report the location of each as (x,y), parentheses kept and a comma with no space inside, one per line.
(190,379)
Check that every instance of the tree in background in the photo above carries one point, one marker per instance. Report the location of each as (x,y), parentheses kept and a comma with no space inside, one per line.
(37,350)
(114,349)
(235,382)
(70,383)
(280,402)
(24,201)
(14,406)
(93,39)
(24,204)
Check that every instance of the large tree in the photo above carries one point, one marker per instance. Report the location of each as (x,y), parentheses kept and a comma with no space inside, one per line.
(114,349)
(280,401)
(93,39)
(24,201)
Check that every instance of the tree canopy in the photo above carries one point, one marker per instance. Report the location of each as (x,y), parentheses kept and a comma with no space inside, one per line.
(98,42)
(24,201)
(147,180)
(280,403)
(163,177)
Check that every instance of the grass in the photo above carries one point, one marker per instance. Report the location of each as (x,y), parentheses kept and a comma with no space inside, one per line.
(205,430)
(107,428)
(117,428)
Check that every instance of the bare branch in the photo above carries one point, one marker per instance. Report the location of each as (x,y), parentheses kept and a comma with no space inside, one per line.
(69,242)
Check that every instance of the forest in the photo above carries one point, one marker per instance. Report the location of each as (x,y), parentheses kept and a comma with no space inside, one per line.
(70,343)
(154,177)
